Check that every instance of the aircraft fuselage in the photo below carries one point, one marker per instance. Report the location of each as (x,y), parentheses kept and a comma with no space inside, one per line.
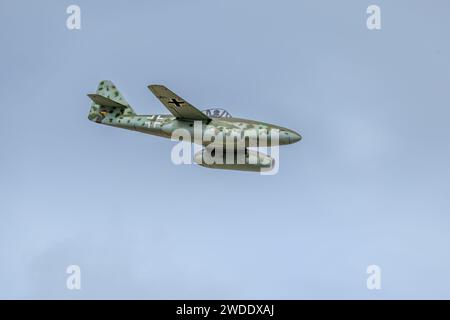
(165,126)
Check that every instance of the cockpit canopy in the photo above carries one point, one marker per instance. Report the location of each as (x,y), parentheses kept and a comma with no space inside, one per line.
(217,113)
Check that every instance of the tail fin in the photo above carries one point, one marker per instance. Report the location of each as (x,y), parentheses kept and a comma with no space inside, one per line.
(108,100)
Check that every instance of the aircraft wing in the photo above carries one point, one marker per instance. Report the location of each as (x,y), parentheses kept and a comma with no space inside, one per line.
(179,107)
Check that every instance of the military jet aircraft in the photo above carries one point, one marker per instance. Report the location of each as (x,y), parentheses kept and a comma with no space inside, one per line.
(109,107)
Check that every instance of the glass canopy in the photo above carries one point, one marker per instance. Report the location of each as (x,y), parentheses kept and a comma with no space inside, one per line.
(217,113)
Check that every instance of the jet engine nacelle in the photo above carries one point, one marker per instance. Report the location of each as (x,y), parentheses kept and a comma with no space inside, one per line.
(244,160)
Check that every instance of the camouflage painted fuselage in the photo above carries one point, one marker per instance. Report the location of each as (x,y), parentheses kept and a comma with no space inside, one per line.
(165,125)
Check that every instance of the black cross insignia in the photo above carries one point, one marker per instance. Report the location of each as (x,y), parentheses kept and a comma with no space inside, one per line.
(175,102)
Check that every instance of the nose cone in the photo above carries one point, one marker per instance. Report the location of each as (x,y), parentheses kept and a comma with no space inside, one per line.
(294,137)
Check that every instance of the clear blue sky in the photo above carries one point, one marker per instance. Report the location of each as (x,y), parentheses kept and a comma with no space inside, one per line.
(368,184)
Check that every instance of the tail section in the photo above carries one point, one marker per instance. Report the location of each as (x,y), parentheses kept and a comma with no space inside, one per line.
(108,101)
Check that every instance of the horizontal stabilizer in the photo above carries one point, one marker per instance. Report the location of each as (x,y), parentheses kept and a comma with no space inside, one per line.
(103,101)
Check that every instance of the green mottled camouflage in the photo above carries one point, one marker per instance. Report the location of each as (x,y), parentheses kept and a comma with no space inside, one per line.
(182,117)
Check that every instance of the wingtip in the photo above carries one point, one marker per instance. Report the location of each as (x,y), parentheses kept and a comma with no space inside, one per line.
(155,86)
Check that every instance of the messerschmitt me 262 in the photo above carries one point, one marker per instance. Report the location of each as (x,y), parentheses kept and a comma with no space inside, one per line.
(110,108)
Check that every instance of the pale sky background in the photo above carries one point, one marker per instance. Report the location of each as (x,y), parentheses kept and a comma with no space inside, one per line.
(368,184)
